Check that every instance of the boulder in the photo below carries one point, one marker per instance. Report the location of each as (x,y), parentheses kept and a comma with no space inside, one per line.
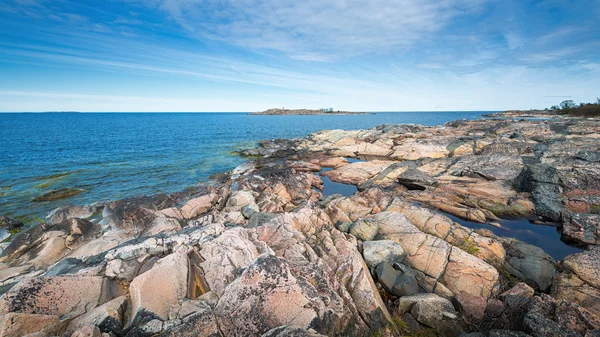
(160,288)
(585,265)
(66,212)
(259,218)
(395,282)
(416,180)
(364,229)
(432,311)
(529,263)
(197,206)
(375,252)
(9,223)
(161,224)
(240,199)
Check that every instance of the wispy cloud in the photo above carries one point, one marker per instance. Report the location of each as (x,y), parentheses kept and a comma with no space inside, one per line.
(316,29)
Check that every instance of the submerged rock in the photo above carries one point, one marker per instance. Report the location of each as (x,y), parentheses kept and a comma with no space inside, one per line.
(58,194)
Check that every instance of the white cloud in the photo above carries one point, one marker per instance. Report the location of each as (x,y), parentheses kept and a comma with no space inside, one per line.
(317,29)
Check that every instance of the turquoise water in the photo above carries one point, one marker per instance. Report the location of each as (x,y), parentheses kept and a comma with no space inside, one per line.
(113,156)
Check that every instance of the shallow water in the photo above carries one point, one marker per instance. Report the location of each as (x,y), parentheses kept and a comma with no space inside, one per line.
(113,156)
(332,187)
(545,237)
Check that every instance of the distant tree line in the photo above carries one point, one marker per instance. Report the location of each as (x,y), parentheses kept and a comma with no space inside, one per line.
(569,107)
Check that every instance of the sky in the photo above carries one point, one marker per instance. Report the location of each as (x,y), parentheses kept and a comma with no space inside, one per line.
(251,55)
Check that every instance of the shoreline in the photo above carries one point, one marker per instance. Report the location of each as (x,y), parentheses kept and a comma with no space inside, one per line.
(235,240)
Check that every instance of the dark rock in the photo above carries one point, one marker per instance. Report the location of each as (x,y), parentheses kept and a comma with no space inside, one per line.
(343,227)
(405,285)
(495,166)
(582,228)
(414,179)
(411,322)
(539,320)
(59,194)
(260,218)
(9,223)
(507,333)
(529,263)
(134,214)
(71,211)
(591,156)
(386,276)
(286,331)
(543,182)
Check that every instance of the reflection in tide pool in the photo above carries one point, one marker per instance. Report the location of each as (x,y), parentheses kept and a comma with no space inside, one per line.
(545,237)
(331,187)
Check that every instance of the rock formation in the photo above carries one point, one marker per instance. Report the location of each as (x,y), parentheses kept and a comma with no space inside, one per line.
(262,252)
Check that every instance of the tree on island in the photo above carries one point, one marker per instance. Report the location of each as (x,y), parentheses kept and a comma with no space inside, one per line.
(567,105)
(582,110)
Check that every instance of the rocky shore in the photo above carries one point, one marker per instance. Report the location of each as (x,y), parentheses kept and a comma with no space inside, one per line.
(277,111)
(264,250)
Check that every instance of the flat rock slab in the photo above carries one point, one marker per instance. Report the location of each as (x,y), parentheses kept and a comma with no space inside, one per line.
(64,296)
(161,288)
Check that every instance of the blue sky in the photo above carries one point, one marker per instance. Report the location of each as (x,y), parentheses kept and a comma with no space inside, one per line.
(248,55)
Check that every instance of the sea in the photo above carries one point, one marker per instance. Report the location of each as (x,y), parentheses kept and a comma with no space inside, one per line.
(112,156)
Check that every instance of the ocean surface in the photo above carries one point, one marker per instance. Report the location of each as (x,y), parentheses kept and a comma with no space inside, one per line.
(117,155)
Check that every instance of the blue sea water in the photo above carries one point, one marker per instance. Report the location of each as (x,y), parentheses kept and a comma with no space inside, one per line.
(117,155)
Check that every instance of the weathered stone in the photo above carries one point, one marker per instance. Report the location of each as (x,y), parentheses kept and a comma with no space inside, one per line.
(433,310)
(581,228)
(379,251)
(201,322)
(159,289)
(416,180)
(259,218)
(472,280)
(286,331)
(161,224)
(109,317)
(364,229)
(225,257)
(539,320)
(9,223)
(197,206)
(357,173)
(21,324)
(529,263)
(569,287)
(87,331)
(507,333)
(64,296)
(268,289)
(71,211)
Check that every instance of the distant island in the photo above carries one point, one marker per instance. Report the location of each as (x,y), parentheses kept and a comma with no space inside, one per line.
(276,111)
